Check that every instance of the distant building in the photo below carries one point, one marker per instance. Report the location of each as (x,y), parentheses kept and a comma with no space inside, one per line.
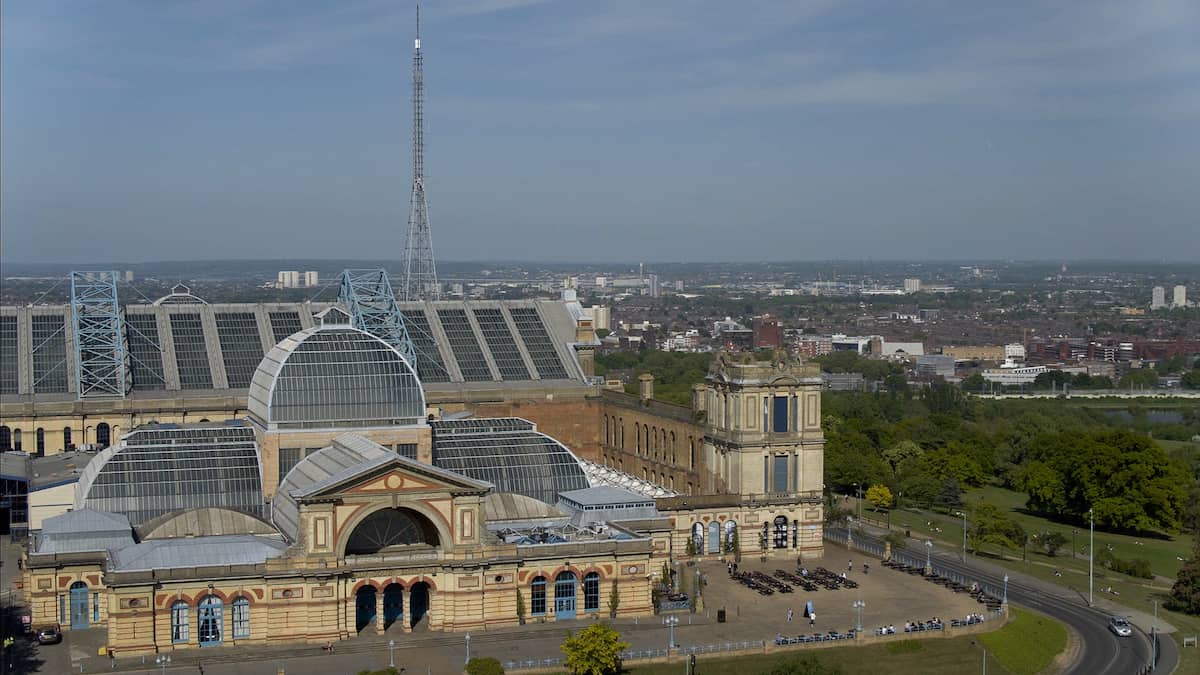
(287,279)
(1014,352)
(679,285)
(1158,298)
(975,353)
(601,317)
(767,333)
(601,282)
(652,285)
(312,279)
(128,276)
(1014,376)
(843,381)
(912,285)
(928,314)
(901,349)
(814,345)
(933,365)
(1180,296)
(850,343)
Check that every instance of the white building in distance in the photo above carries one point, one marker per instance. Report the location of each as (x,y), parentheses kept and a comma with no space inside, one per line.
(1158,298)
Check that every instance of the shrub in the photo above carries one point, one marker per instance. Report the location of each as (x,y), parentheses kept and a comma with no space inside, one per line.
(484,666)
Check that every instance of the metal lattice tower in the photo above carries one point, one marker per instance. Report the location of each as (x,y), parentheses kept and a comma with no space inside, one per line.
(420,274)
(101,365)
(368,297)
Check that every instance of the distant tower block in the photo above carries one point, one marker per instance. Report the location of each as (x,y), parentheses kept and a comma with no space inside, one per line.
(420,274)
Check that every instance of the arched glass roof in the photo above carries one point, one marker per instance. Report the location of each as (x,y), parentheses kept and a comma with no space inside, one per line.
(334,377)
(161,468)
(509,453)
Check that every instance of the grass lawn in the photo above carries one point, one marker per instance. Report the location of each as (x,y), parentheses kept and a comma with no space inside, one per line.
(1138,594)
(1028,643)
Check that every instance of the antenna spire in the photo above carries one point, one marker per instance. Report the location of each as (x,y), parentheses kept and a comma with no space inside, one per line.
(420,273)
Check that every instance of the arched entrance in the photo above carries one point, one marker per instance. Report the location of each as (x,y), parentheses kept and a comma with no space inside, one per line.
(210,621)
(5,439)
(418,602)
(79,605)
(698,537)
(564,596)
(364,608)
(393,604)
(714,537)
(102,432)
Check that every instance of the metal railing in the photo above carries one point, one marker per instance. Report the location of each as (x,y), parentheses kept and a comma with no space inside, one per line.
(721,647)
(674,606)
(641,654)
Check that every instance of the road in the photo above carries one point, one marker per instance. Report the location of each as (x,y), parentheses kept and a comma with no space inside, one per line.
(1100,651)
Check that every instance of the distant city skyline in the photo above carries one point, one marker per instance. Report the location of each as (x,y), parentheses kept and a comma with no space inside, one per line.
(565,131)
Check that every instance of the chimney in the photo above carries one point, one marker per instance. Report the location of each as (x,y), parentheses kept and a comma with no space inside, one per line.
(646,386)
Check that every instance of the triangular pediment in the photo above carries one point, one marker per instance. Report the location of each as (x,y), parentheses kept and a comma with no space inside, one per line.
(385,472)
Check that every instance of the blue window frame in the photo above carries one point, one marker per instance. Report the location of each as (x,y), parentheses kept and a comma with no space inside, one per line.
(591,592)
(179,622)
(241,617)
(538,595)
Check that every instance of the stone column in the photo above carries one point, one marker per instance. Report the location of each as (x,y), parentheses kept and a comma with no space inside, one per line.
(379,612)
(406,612)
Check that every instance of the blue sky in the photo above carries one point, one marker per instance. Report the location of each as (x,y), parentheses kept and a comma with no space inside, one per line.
(585,130)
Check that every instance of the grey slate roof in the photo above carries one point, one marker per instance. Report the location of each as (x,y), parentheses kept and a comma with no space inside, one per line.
(604,495)
(202,522)
(509,508)
(84,530)
(235,549)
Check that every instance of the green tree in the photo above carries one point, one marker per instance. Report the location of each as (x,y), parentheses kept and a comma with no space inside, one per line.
(614,600)
(1191,379)
(1139,378)
(994,526)
(595,650)
(879,496)
(520,607)
(1052,541)
(974,382)
(486,665)
(1185,593)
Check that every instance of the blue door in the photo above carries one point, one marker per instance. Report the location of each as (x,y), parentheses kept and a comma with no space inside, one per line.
(364,608)
(210,621)
(79,605)
(393,604)
(564,596)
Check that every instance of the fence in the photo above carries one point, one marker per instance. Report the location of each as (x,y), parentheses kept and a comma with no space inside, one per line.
(678,605)
(641,654)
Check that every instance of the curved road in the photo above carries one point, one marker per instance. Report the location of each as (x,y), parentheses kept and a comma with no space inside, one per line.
(1100,651)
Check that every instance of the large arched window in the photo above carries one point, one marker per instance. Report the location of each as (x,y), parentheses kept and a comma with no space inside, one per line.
(241,617)
(622,423)
(179,622)
(537,594)
(67,444)
(591,592)
(102,431)
(607,430)
(40,436)
(16,440)
(390,527)
(5,439)
(691,452)
(781,532)
(210,620)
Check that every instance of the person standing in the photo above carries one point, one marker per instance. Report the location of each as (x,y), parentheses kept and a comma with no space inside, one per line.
(850,566)
(789,614)
(812,620)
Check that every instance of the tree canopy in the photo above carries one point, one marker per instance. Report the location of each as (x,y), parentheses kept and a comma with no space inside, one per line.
(595,650)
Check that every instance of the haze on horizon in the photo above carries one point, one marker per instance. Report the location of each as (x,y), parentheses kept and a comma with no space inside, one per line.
(830,129)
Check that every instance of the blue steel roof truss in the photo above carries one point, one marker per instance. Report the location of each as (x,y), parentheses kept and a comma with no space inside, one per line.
(101,365)
(368,297)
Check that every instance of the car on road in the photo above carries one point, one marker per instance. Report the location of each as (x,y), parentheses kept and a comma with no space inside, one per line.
(1120,626)
(49,635)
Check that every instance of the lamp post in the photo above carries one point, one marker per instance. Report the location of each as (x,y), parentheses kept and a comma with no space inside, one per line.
(859,496)
(671,621)
(859,604)
(1005,601)
(468,648)
(1074,533)
(1091,553)
(392,656)
(964,519)
(1154,640)
(928,550)
(163,660)
(981,646)
(849,531)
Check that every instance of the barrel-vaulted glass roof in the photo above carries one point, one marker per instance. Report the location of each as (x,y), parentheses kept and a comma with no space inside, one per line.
(329,377)
(161,468)
(510,453)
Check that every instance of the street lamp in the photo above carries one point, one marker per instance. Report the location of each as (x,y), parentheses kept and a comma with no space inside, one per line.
(1074,533)
(1091,553)
(849,531)
(671,621)
(1154,640)
(163,660)
(468,648)
(1005,602)
(984,648)
(859,604)
(392,657)
(859,487)
(928,550)
(964,519)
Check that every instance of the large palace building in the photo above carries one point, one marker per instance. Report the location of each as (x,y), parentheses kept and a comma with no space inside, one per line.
(285,473)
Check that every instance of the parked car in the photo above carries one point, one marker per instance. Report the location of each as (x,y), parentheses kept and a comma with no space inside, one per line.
(1120,627)
(49,635)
